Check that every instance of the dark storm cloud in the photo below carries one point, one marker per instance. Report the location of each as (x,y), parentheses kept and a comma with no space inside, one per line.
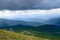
(29,4)
(15,4)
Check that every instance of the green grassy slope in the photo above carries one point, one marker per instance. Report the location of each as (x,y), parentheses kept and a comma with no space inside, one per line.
(10,35)
(51,32)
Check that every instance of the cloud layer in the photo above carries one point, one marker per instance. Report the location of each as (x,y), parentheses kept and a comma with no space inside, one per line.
(29,4)
(30,14)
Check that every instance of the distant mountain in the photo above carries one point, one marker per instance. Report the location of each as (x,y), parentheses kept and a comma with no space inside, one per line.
(54,21)
(31,22)
(5,22)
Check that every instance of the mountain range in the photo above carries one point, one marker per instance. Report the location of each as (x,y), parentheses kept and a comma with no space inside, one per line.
(6,22)
(49,30)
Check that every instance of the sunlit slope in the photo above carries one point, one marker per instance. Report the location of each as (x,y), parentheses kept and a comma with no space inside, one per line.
(8,35)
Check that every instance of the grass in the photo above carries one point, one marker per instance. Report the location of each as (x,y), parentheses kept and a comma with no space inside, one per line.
(10,35)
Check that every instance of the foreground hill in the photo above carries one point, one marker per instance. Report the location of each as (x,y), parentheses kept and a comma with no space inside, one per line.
(46,31)
(10,35)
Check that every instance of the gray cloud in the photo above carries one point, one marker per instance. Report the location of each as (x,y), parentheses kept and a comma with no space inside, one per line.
(29,4)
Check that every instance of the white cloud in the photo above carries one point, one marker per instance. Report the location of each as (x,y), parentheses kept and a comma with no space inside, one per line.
(26,14)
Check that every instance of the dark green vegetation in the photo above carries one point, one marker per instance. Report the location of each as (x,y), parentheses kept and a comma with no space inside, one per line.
(51,32)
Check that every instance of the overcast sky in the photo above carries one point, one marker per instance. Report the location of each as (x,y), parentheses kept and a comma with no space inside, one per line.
(41,9)
(29,4)
(30,14)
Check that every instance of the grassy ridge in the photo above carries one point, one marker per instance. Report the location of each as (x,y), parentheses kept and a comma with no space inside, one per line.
(10,35)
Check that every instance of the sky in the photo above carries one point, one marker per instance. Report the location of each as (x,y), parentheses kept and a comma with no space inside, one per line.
(29,9)
(29,4)
(30,14)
